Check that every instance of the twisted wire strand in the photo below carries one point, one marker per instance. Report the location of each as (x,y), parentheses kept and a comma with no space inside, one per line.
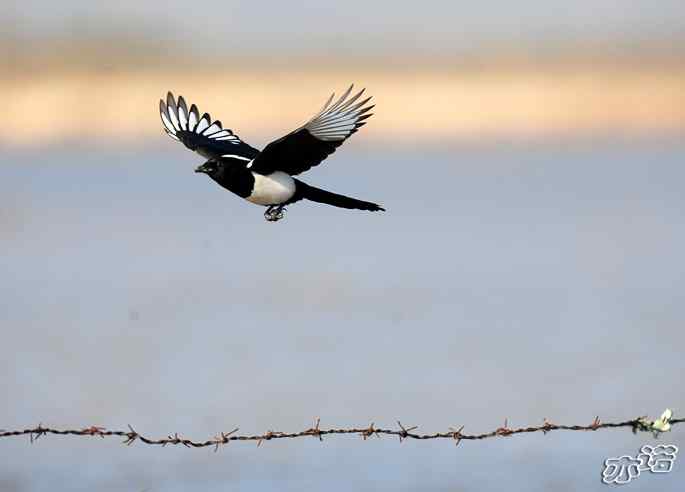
(402,432)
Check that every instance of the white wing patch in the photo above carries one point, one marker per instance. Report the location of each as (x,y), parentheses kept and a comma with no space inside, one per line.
(192,120)
(203,124)
(234,156)
(176,117)
(339,120)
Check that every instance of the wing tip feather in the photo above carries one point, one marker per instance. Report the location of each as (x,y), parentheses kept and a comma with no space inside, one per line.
(176,118)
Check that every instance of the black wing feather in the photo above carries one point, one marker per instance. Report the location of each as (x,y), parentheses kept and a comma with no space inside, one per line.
(310,144)
(200,134)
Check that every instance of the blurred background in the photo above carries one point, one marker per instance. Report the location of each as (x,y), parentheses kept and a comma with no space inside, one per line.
(530,156)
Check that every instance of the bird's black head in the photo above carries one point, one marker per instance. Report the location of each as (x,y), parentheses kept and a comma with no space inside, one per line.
(211,168)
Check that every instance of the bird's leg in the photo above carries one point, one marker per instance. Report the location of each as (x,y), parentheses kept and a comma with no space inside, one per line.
(280,212)
(274,213)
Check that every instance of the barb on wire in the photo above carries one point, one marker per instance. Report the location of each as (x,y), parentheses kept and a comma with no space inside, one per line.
(639,424)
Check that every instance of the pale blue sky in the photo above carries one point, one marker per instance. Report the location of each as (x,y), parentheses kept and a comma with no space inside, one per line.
(506,282)
(357,26)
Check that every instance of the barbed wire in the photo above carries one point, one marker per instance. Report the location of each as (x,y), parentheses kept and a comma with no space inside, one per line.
(639,424)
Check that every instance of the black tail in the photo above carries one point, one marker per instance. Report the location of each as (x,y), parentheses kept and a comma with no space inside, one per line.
(323,196)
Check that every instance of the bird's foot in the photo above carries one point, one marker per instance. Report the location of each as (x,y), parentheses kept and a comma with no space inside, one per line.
(274,213)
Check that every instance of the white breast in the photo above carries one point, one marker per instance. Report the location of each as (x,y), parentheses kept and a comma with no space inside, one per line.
(273,189)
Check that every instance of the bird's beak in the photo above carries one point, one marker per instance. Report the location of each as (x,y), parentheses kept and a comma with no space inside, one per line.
(201,169)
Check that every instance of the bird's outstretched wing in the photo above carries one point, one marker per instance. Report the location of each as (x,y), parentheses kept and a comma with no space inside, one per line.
(310,144)
(199,133)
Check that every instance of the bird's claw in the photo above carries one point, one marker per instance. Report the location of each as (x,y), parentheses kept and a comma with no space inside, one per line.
(274,214)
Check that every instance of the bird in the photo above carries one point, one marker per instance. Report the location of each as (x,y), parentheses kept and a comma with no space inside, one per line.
(266,177)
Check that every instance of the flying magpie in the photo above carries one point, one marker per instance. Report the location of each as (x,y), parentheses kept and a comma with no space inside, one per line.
(266,177)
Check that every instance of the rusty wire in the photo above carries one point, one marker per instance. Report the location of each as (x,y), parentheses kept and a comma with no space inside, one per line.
(403,433)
